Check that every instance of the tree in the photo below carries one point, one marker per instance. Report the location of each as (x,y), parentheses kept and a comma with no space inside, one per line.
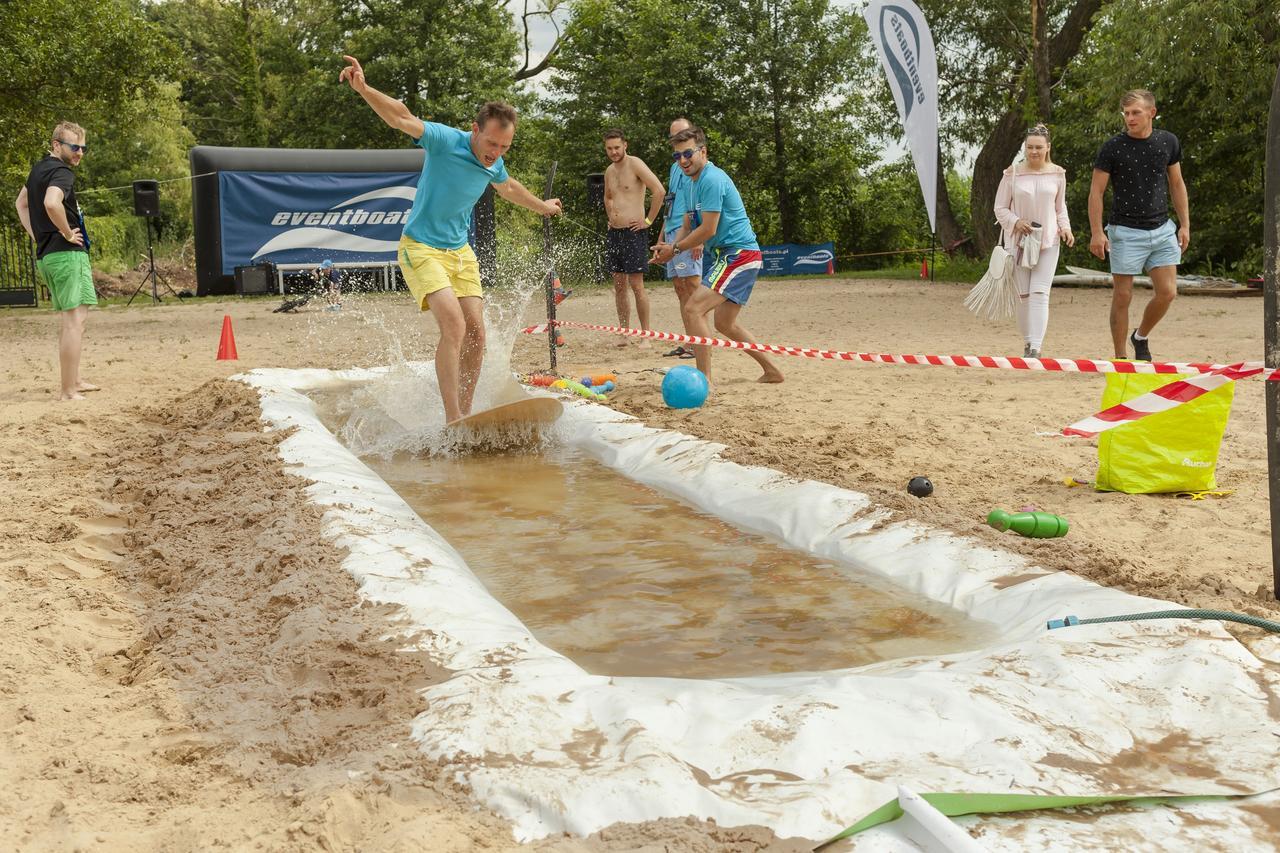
(790,62)
(69,62)
(1210,65)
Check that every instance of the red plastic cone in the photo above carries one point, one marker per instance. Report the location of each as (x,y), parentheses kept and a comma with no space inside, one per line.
(831,267)
(227,345)
(924,268)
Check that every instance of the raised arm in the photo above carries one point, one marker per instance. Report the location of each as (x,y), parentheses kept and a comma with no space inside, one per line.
(516,193)
(393,112)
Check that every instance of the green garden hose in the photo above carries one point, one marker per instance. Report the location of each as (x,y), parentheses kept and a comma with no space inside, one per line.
(1222,615)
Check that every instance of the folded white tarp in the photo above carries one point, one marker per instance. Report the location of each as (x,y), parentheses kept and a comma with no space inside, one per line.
(1141,708)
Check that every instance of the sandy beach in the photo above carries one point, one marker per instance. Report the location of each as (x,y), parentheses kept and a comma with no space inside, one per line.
(188,667)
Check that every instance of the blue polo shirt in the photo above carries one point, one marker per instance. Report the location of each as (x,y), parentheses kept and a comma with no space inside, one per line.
(677,198)
(713,192)
(452,182)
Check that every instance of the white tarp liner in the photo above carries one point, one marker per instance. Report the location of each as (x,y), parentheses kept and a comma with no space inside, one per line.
(1158,707)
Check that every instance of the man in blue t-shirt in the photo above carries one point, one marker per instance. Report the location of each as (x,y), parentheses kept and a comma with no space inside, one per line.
(685,269)
(1144,167)
(715,219)
(437,262)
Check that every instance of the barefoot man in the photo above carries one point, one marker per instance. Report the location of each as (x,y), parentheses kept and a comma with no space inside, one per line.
(49,213)
(716,220)
(435,258)
(627,244)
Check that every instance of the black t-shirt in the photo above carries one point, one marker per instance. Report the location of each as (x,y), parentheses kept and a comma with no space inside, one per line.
(1139,170)
(52,172)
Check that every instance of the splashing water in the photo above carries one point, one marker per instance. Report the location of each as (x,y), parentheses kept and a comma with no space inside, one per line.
(402,411)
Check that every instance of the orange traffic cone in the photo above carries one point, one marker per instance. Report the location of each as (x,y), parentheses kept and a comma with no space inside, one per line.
(831,267)
(924,268)
(227,345)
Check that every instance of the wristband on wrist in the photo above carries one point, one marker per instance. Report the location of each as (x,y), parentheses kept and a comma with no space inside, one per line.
(648,221)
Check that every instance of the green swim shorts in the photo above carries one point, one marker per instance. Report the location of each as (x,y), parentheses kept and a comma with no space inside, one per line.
(69,279)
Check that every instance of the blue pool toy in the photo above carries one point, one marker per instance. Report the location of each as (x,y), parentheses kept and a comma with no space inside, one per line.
(684,387)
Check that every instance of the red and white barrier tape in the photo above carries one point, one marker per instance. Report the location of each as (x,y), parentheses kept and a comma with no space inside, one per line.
(1061,365)
(1160,400)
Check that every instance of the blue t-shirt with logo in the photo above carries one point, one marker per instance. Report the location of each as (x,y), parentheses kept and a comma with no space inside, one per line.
(677,198)
(452,182)
(713,192)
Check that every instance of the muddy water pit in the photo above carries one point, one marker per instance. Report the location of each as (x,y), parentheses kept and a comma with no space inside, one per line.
(626,581)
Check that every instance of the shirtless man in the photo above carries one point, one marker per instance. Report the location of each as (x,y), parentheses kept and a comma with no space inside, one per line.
(627,245)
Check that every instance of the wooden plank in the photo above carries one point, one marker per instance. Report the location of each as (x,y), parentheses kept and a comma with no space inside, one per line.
(530,410)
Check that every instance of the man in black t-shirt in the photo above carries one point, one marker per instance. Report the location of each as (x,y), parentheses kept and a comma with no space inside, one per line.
(48,210)
(1144,166)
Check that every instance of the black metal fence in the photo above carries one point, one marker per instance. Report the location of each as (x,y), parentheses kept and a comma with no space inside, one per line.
(19,285)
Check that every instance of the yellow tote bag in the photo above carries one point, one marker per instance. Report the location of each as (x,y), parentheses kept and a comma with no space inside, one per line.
(1172,451)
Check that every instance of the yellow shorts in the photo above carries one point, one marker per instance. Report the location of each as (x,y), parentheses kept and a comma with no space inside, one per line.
(427,270)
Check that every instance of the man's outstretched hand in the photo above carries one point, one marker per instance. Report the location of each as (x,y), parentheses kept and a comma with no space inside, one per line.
(353,74)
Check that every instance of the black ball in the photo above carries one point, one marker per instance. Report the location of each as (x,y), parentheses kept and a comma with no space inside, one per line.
(921,487)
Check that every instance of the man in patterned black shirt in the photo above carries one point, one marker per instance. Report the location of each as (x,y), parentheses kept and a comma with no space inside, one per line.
(1144,167)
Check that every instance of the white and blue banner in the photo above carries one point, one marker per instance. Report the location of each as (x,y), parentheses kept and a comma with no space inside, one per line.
(304,217)
(797,259)
(905,45)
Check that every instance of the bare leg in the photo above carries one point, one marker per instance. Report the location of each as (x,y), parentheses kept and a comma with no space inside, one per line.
(685,285)
(1164,280)
(472,350)
(623,303)
(1121,296)
(694,313)
(727,324)
(453,326)
(635,281)
(70,343)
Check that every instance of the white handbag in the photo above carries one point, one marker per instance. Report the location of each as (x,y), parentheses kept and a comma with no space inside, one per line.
(995,296)
(1031,248)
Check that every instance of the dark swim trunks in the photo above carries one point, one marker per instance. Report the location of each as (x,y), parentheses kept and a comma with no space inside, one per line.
(627,251)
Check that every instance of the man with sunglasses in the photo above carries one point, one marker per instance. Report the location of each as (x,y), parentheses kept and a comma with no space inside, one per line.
(685,269)
(439,266)
(716,219)
(48,211)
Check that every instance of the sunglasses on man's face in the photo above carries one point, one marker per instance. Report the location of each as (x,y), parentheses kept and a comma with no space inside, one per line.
(75,149)
(687,153)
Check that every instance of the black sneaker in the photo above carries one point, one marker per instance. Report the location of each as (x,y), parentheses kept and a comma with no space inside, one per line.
(1141,349)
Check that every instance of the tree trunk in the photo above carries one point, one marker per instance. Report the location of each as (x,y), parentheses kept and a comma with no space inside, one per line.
(997,152)
(949,231)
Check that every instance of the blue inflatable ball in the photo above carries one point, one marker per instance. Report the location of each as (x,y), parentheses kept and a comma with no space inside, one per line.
(684,387)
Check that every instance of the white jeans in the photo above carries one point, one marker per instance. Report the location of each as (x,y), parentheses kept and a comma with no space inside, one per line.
(1033,296)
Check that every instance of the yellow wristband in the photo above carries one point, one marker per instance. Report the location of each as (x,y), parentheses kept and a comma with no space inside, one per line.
(648,221)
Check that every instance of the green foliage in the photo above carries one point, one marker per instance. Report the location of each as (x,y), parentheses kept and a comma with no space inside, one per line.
(769,80)
(1211,65)
(71,62)
(117,241)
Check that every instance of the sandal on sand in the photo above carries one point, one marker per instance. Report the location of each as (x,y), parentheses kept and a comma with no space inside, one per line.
(678,352)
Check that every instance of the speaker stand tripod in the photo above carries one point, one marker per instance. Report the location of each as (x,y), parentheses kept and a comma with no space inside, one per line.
(154,277)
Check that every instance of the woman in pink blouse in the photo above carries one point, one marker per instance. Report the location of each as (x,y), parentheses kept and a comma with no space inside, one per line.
(1033,196)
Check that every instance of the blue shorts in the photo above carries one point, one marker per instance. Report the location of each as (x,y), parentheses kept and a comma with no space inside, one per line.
(683,265)
(733,273)
(1135,250)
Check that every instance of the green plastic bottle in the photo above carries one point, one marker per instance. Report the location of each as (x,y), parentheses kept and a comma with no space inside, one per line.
(1037,525)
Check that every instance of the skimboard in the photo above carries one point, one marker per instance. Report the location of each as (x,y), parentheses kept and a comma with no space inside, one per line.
(528,410)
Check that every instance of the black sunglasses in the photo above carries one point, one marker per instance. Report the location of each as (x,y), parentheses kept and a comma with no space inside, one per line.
(75,149)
